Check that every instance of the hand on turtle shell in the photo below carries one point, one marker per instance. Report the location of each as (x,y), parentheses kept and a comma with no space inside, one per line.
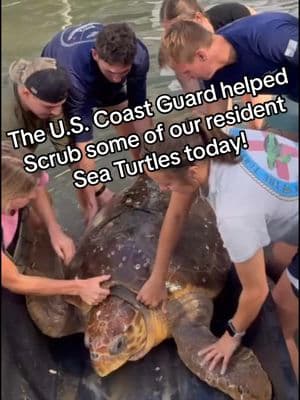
(62,244)
(153,293)
(91,291)
(223,349)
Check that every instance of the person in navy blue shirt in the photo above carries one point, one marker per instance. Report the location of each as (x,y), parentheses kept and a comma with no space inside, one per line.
(101,61)
(248,47)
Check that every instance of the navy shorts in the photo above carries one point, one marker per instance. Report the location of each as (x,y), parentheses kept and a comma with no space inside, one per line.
(293,273)
(113,97)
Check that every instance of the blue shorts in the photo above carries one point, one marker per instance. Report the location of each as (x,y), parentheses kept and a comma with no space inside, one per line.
(293,273)
(113,97)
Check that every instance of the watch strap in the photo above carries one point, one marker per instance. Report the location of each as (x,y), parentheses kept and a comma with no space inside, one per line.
(232,331)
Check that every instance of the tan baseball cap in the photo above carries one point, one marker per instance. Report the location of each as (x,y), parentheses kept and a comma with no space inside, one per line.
(42,77)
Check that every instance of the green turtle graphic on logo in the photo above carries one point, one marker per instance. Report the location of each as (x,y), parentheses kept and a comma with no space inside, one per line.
(272,161)
(273,150)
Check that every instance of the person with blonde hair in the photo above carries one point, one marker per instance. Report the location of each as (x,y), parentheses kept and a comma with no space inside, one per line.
(251,47)
(211,19)
(18,190)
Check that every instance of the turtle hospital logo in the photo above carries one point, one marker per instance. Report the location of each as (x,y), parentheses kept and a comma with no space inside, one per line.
(272,161)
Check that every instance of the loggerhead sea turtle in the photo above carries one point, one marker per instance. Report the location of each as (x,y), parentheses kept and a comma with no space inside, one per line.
(122,241)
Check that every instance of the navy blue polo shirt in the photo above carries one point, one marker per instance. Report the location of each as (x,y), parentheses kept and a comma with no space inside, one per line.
(72,48)
(264,43)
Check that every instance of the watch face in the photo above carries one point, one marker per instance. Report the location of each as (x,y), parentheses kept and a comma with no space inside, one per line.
(230,330)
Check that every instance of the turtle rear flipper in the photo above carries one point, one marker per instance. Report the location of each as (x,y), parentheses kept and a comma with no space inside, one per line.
(53,316)
(245,379)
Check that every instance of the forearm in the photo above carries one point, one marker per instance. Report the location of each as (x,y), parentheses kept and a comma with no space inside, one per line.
(44,209)
(18,283)
(250,303)
(191,86)
(87,165)
(31,285)
(257,123)
(143,125)
(253,278)
(168,240)
(170,233)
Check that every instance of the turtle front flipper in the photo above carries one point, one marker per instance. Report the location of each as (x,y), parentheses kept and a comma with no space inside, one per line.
(36,256)
(190,318)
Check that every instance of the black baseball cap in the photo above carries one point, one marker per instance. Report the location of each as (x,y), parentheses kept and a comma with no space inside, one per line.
(42,77)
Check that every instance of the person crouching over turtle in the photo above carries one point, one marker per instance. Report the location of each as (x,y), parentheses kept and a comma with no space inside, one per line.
(255,199)
(108,67)
(249,48)
(18,190)
(37,95)
(212,19)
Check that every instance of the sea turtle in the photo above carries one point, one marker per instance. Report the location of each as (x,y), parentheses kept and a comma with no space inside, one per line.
(122,241)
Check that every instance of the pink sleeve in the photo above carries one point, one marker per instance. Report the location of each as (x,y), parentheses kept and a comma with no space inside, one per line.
(9,225)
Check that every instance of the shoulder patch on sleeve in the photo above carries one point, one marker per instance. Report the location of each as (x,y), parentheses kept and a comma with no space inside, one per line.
(291,48)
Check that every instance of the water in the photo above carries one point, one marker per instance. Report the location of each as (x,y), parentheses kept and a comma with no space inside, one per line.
(27,25)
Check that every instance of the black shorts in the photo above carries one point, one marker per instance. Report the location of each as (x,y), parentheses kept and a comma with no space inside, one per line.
(113,97)
(293,273)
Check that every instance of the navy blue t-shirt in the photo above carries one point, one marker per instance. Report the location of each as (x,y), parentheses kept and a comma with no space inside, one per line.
(264,43)
(72,48)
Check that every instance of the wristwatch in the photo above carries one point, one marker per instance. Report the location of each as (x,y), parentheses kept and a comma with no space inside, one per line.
(232,331)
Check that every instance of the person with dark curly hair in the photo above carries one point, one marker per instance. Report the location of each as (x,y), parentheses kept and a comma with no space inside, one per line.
(101,61)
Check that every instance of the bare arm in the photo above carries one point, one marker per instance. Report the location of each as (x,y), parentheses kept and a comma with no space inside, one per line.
(255,289)
(87,199)
(88,289)
(19,283)
(62,244)
(257,123)
(143,125)
(254,292)
(192,85)
(140,127)
(179,206)
(154,291)
(44,209)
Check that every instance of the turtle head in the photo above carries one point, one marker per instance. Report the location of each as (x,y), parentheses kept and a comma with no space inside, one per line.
(116,332)
(120,329)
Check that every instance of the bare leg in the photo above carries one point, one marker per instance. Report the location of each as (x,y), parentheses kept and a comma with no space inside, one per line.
(278,257)
(287,308)
(87,199)
(125,130)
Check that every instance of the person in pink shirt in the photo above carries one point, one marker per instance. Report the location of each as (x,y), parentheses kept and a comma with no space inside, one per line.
(18,189)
